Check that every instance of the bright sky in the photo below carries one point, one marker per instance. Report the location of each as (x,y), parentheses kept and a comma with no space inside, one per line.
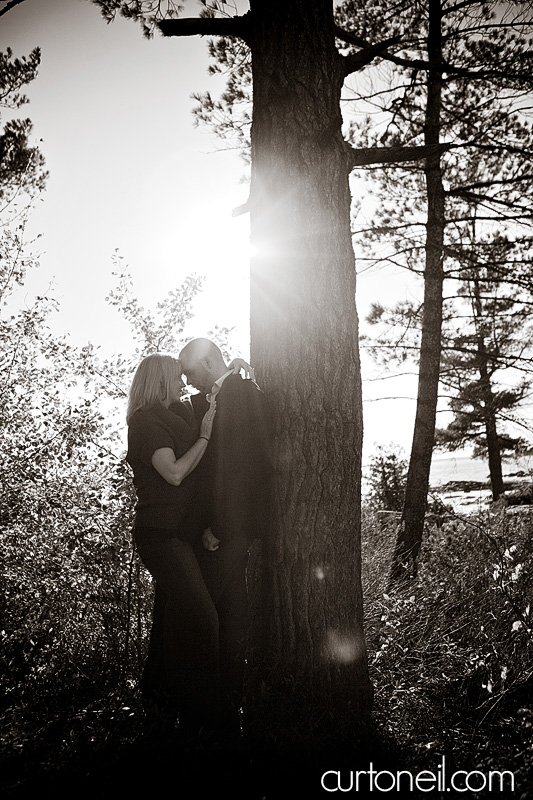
(129,171)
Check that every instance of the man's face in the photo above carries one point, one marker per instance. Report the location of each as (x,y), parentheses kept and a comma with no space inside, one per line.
(197,375)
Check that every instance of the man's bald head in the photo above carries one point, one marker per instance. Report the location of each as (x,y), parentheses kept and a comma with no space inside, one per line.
(202,363)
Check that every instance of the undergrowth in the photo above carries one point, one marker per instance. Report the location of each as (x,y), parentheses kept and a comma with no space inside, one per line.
(451,654)
(450,658)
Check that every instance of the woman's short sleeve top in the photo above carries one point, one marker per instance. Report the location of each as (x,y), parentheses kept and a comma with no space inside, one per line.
(160,504)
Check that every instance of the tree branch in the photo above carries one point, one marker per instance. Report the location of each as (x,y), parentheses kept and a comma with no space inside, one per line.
(458,7)
(356,61)
(351,38)
(420,64)
(484,74)
(206,26)
(9,6)
(386,155)
(458,190)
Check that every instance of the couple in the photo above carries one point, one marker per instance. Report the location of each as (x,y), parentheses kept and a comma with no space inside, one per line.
(202,473)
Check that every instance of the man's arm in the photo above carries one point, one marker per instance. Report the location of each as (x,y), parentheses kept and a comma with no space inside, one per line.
(246,427)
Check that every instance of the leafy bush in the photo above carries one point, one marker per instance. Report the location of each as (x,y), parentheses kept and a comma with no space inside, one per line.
(386,479)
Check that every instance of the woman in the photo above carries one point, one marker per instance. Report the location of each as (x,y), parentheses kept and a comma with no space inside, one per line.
(164,448)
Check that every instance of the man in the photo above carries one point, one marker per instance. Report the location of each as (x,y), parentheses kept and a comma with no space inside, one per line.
(235,476)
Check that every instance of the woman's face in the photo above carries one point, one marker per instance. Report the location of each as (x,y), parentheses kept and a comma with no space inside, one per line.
(175,390)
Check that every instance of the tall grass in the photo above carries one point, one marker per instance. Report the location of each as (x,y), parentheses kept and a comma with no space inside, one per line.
(451,655)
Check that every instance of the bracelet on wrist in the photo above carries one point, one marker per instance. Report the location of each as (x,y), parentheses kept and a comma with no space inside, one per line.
(204,437)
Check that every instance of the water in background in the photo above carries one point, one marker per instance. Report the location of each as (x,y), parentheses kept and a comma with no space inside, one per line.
(445,469)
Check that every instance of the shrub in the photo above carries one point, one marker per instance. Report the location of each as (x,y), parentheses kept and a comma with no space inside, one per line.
(386,479)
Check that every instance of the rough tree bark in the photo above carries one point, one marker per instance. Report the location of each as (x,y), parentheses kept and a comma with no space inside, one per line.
(304,342)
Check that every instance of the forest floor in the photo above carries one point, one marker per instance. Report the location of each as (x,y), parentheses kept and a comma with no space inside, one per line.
(102,750)
(105,753)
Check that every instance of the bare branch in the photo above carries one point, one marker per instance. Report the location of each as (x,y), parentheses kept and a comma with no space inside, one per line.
(9,6)
(206,26)
(487,184)
(395,155)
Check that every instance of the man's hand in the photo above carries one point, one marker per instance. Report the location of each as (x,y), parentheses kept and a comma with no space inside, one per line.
(209,540)
(239,364)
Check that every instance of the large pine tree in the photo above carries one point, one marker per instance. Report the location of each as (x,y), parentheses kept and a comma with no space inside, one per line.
(304,345)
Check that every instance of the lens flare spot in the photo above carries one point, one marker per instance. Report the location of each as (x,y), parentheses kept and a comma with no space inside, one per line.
(342,648)
(319,573)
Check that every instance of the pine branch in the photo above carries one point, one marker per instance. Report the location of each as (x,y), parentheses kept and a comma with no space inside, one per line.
(459,7)
(500,148)
(487,184)
(206,26)
(484,74)
(419,64)
(351,38)
(356,61)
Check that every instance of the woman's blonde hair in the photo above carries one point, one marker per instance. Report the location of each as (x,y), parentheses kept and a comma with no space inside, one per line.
(151,382)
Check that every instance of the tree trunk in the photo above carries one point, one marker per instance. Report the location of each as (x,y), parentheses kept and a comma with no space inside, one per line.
(491,433)
(409,535)
(304,345)
(494,454)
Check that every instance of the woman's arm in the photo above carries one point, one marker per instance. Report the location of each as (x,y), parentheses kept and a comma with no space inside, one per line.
(173,469)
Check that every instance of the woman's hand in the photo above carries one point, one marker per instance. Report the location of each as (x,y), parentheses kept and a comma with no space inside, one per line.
(209,540)
(206,424)
(239,363)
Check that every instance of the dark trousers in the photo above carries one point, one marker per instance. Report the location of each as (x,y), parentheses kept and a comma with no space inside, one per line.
(224,572)
(197,642)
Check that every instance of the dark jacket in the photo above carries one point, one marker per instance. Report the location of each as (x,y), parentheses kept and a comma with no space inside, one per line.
(236,471)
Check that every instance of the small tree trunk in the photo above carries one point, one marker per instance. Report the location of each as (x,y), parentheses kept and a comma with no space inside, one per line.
(493,444)
(495,458)
(409,534)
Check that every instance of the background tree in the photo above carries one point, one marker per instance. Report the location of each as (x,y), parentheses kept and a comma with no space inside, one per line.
(495,336)
(21,165)
(486,351)
(473,61)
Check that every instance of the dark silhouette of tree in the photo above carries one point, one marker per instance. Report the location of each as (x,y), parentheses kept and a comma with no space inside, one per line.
(487,357)
(492,336)
(386,476)
(21,165)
